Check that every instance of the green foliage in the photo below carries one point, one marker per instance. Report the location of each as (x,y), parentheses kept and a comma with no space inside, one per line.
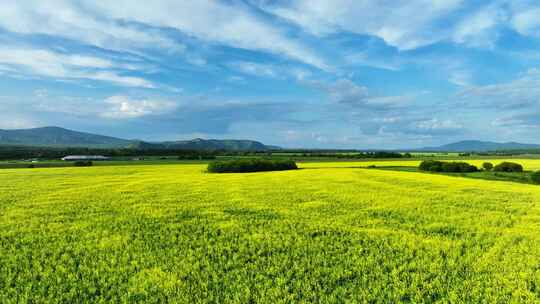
(458,167)
(431,165)
(508,167)
(83,163)
(487,166)
(535,177)
(447,167)
(250,165)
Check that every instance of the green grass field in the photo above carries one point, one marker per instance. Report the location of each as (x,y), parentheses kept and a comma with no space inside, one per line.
(330,232)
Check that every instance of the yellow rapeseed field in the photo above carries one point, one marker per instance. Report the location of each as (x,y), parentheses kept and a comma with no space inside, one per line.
(329,232)
(528,164)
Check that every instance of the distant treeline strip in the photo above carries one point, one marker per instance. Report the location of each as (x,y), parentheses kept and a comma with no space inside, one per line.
(13,153)
(360,155)
(27,152)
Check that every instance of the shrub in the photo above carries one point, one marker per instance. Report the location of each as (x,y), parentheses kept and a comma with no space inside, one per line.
(250,165)
(83,163)
(447,167)
(535,177)
(508,167)
(458,167)
(487,166)
(431,165)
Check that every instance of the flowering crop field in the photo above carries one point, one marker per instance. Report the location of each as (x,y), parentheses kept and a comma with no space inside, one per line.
(528,164)
(330,232)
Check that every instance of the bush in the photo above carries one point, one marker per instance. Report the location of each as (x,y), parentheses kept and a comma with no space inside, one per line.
(447,167)
(431,165)
(83,163)
(487,166)
(458,167)
(250,165)
(508,167)
(535,177)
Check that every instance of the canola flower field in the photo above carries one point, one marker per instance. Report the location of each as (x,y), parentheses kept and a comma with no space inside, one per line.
(330,232)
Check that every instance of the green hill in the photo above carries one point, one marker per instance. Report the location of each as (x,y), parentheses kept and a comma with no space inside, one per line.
(482,146)
(60,137)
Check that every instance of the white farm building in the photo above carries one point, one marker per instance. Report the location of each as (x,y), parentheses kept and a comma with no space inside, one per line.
(85,157)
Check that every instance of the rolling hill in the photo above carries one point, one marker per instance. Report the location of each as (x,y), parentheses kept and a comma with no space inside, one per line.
(202,144)
(481,146)
(60,137)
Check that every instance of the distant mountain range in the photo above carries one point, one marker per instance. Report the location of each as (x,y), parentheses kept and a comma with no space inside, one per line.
(60,137)
(481,146)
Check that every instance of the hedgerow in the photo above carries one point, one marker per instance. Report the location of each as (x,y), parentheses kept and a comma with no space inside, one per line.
(83,163)
(447,167)
(487,166)
(508,167)
(535,177)
(250,165)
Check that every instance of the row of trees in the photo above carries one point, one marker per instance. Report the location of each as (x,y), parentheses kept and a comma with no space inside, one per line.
(449,167)
(463,167)
(250,165)
(25,152)
(17,153)
(360,155)
(503,167)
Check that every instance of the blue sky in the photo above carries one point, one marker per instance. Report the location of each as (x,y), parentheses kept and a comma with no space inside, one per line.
(305,73)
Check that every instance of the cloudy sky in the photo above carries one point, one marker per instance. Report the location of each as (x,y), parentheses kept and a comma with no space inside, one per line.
(295,73)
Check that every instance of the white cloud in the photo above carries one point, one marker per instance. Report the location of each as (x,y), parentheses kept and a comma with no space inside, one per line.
(526,21)
(255,69)
(38,62)
(122,107)
(365,59)
(438,125)
(460,78)
(403,24)
(412,24)
(480,29)
(14,121)
(110,25)
(119,80)
(346,92)
(212,21)
(267,70)
(67,19)
(520,93)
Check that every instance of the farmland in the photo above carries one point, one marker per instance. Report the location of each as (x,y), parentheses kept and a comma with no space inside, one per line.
(330,232)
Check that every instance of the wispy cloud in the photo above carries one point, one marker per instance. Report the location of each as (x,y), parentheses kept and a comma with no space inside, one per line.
(391,21)
(125,25)
(80,22)
(320,72)
(40,62)
(520,93)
